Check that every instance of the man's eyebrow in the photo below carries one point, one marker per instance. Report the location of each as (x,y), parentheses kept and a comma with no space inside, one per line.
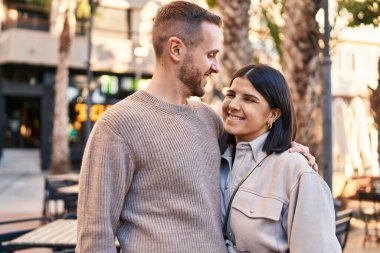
(215,51)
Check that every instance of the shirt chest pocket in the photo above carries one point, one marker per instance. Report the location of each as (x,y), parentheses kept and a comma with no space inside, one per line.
(255,222)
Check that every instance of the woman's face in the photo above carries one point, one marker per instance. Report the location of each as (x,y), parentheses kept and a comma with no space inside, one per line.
(245,111)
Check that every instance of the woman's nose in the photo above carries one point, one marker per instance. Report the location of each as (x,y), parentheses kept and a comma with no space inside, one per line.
(234,104)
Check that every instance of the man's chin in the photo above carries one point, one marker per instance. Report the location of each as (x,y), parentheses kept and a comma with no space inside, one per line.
(199,93)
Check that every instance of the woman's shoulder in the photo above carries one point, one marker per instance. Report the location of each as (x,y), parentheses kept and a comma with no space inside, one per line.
(293,163)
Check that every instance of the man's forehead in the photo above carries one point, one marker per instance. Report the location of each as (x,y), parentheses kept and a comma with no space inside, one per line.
(212,35)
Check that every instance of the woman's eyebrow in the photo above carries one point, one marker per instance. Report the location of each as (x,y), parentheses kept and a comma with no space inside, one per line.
(251,96)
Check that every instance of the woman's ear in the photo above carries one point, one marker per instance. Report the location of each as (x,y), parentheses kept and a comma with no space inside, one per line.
(176,49)
(275,114)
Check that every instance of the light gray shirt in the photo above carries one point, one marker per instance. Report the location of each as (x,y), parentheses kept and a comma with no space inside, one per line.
(284,206)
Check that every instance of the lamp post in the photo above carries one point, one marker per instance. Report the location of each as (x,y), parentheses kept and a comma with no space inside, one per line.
(327,119)
(87,128)
(140,53)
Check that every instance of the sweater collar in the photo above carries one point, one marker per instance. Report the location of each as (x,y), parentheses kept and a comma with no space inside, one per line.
(147,97)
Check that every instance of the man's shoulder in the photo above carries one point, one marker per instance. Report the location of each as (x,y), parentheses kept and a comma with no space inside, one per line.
(205,110)
(128,106)
(200,105)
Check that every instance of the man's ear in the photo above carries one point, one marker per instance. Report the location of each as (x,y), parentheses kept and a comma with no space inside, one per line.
(176,48)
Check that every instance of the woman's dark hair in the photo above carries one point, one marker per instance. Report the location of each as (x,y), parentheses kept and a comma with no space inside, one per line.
(271,84)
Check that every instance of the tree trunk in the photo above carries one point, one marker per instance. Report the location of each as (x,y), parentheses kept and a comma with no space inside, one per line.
(301,64)
(237,50)
(375,106)
(60,160)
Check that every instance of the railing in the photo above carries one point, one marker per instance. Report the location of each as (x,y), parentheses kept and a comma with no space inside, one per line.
(31,23)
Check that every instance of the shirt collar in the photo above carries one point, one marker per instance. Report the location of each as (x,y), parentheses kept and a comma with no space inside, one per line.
(227,155)
(256,146)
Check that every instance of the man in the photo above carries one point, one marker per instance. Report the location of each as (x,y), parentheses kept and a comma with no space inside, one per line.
(150,171)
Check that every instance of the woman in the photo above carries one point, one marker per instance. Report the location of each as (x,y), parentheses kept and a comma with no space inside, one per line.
(282,205)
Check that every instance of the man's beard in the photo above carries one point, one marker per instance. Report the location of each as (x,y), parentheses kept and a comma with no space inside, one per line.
(191,76)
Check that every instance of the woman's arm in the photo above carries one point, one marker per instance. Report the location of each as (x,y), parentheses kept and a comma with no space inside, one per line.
(311,216)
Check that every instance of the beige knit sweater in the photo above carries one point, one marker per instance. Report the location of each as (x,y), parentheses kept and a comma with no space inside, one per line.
(150,176)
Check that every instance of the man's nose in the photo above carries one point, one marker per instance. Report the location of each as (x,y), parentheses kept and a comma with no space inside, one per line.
(215,66)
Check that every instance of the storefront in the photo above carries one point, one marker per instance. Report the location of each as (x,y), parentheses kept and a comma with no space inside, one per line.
(27,102)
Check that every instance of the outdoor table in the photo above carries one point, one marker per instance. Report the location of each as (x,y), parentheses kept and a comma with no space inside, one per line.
(70,190)
(59,235)
(61,177)
(370,196)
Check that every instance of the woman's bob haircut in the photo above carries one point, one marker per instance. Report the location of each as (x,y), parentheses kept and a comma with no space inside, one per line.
(271,84)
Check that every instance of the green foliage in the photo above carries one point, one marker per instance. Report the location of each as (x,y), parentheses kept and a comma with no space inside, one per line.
(36,2)
(366,12)
(212,3)
(274,30)
(83,10)
(42,5)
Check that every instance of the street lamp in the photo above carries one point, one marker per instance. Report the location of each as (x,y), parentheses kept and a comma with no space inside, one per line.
(140,53)
(87,128)
(327,119)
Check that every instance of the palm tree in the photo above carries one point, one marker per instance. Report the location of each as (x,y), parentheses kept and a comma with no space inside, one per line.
(375,106)
(237,48)
(301,64)
(60,159)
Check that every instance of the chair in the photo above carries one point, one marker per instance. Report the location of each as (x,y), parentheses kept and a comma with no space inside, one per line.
(7,236)
(369,214)
(52,183)
(342,223)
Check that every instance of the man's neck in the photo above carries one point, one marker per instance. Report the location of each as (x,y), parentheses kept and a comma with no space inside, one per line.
(168,89)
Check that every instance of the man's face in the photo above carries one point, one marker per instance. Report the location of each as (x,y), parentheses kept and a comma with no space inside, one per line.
(200,62)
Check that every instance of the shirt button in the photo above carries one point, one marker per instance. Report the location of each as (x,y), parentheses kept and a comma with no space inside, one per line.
(252,210)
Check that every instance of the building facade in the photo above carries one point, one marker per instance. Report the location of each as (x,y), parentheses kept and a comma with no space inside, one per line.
(29,40)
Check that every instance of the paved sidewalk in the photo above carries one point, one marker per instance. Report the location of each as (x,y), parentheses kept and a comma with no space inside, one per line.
(21,184)
(21,196)
(21,188)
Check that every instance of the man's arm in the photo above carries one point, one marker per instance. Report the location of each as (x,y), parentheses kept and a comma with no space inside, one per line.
(105,177)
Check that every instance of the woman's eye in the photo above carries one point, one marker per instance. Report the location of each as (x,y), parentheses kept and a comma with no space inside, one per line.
(250,100)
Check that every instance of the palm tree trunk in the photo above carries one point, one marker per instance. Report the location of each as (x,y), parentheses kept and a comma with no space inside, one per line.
(237,49)
(301,66)
(375,106)
(60,160)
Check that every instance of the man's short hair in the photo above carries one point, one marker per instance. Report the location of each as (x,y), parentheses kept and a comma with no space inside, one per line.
(183,20)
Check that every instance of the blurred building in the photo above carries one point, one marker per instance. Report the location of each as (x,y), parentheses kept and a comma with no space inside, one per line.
(355,58)
(29,38)
(355,53)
